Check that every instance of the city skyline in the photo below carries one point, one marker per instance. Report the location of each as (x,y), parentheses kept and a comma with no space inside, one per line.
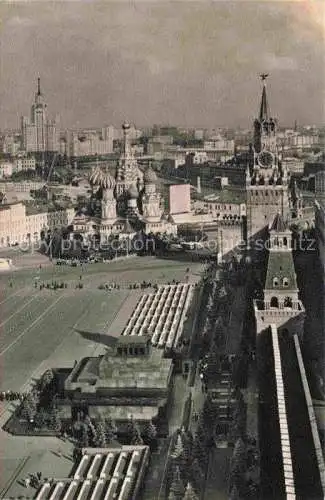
(163,63)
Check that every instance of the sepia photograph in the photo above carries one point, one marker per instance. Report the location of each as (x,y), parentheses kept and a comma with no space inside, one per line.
(162,249)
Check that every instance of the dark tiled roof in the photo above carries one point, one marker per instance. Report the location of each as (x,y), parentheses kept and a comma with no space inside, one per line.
(280,265)
(278,224)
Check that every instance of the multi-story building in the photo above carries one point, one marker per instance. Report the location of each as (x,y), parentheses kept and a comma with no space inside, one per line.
(196,156)
(12,223)
(220,144)
(10,143)
(294,166)
(91,143)
(220,207)
(20,187)
(266,179)
(39,133)
(291,139)
(24,162)
(6,169)
(20,225)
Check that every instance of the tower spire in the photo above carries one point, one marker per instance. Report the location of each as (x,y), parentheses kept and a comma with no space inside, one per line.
(264,109)
(38,86)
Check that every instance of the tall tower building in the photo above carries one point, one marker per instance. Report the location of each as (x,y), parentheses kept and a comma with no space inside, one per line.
(281,304)
(151,199)
(39,118)
(267,190)
(127,172)
(39,134)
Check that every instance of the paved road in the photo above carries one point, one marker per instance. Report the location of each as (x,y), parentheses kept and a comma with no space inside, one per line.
(35,332)
(34,323)
(40,329)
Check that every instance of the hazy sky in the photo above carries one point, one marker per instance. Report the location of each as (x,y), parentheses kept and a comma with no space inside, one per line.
(189,63)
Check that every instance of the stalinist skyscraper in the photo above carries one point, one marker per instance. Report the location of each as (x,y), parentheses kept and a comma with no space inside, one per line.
(39,134)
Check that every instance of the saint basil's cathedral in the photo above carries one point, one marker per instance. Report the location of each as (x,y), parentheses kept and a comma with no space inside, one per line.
(125,205)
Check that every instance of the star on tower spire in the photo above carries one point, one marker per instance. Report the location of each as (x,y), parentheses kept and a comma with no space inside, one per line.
(264,109)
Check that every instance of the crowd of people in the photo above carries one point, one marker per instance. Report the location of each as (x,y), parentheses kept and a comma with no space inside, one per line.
(53,286)
(134,286)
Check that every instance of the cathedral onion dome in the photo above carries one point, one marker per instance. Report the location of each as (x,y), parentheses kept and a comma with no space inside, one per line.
(107,181)
(150,176)
(94,178)
(102,179)
(126,126)
(133,192)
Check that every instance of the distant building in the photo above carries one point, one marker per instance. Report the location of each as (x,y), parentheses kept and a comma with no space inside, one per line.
(199,134)
(10,144)
(293,165)
(293,140)
(6,169)
(219,209)
(196,156)
(314,164)
(220,144)
(39,133)
(91,143)
(24,162)
(20,187)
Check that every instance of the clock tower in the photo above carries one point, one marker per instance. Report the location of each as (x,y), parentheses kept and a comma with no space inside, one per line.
(266,181)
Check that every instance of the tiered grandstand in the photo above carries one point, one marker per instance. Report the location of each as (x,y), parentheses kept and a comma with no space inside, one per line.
(161,315)
(101,474)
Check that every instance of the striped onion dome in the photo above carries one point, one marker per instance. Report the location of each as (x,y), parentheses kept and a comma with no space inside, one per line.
(107,181)
(94,177)
(101,179)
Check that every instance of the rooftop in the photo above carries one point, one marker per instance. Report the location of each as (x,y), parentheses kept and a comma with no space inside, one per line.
(280,265)
(122,372)
(223,196)
(161,315)
(108,473)
(278,224)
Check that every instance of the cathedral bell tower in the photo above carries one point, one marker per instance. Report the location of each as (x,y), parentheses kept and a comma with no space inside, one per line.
(151,197)
(127,172)
(266,181)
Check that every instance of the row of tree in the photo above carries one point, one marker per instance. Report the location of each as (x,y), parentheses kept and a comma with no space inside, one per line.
(185,476)
(103,432)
